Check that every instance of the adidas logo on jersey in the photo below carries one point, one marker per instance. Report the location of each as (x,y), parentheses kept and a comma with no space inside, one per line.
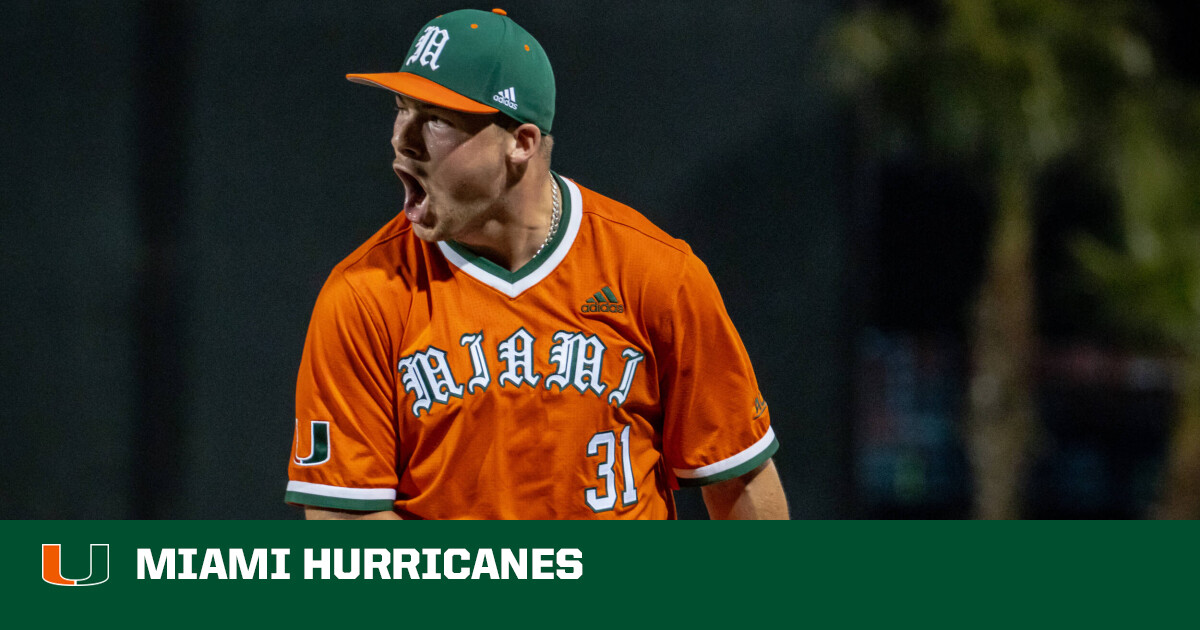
(507,98)
(603,301)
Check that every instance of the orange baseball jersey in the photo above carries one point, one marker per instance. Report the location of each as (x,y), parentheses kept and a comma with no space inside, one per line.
(587,384)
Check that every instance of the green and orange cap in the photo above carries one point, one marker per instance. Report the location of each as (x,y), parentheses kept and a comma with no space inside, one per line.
(478,62)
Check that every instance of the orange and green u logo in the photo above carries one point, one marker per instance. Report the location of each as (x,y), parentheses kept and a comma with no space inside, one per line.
(52,566)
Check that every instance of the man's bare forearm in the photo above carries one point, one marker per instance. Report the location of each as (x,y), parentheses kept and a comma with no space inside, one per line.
(756,495)
(322,514)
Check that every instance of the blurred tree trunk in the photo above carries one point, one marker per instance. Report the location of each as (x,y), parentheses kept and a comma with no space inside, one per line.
(1017,85)
(1001,417)
(1181,496)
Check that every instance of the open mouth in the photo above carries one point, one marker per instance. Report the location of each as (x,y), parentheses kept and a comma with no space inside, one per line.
(415,206)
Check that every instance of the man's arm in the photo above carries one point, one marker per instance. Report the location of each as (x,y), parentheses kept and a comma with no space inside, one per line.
(756,495)
(322,514)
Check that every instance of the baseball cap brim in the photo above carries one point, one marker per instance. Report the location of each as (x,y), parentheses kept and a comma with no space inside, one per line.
(423,90)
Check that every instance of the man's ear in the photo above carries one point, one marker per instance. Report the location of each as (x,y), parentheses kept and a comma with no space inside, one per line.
(527,142)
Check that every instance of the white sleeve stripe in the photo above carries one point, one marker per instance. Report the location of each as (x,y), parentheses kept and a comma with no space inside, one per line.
(729,462)
(360,494)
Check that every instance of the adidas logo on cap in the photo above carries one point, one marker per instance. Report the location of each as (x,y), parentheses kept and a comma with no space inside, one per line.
(603,301)
(507,98)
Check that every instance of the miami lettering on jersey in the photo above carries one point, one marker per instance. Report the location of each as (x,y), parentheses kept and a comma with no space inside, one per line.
(579,359)
(587,384)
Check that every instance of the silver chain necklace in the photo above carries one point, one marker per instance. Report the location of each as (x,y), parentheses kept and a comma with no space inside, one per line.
(554,216)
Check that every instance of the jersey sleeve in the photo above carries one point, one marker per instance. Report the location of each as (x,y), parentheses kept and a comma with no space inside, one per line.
(716,424)
(344,448)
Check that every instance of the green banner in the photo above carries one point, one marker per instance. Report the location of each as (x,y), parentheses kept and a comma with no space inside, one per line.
(540,574)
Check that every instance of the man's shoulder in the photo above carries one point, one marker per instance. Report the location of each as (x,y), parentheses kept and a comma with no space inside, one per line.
(645,254)
(392,251)
(626,225)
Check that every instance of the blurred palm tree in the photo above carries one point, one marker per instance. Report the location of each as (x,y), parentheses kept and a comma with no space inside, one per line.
(1151,278)
(1011,86)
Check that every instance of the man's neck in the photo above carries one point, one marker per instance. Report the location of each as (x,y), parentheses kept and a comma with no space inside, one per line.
(512,237)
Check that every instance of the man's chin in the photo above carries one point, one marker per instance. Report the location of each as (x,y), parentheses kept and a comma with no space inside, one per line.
(428,234)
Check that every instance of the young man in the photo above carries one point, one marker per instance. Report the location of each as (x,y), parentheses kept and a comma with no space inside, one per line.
(514,345)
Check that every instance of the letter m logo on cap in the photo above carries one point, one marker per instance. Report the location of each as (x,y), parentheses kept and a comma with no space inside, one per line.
(429,47)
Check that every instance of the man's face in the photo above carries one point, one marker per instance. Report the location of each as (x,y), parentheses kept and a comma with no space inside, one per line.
(453,166)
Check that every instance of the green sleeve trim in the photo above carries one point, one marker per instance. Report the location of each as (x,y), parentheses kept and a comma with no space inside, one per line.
(338,503)
(736,471)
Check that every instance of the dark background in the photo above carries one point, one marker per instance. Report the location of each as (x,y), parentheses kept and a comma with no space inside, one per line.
(179,177)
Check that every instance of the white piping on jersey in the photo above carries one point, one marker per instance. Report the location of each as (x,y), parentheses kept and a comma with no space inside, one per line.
(729,462)
(513,289)
(358,494)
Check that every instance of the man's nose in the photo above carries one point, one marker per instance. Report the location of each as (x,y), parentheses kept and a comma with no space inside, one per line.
(406,138)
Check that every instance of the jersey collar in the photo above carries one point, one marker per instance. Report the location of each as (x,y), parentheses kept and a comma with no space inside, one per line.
(514,283)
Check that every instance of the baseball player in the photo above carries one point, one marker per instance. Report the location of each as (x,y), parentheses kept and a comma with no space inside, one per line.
(514,345)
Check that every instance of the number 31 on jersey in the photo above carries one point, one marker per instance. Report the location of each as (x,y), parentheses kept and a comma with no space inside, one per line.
(607,441)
